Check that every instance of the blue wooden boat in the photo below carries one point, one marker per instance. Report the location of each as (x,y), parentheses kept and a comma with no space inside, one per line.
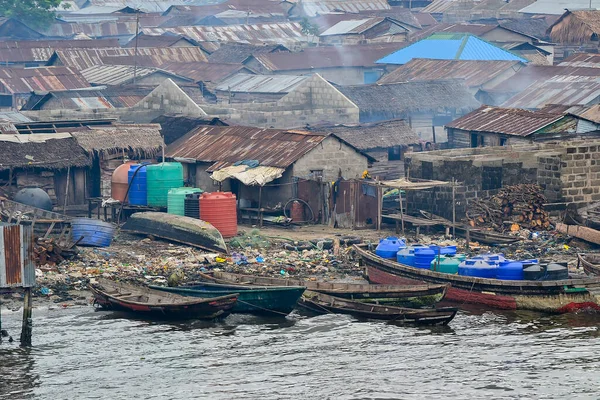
(269,300)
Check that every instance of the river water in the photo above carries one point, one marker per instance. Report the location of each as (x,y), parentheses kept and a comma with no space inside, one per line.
(82,354)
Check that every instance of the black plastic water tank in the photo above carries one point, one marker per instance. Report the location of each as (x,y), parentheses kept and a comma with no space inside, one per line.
(191,205)
(34,197)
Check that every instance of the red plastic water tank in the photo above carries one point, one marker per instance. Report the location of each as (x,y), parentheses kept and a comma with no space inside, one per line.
(219,208)
(119,184)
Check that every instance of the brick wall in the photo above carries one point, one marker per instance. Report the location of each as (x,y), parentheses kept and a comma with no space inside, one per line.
(580,173)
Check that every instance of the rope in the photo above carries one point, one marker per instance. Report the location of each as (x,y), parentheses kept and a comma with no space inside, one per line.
(261,308)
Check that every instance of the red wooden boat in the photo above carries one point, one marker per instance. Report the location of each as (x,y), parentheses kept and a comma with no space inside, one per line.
(549,296)
(148,302)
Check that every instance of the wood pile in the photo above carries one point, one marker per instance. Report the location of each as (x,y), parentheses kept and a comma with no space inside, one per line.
(513,208)
(47,252)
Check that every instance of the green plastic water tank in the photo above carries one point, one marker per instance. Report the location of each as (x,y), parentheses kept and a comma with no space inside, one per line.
(160,178)
(447,264)
(176,199)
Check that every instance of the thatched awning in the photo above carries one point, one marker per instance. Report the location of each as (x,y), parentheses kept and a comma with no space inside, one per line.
(46,151)
(144,140)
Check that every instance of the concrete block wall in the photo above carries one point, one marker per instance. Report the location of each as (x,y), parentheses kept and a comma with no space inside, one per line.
(549,177)
(331,156)
(580,173)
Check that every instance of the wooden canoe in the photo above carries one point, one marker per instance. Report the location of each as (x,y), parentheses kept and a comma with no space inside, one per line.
(478,235)
(549,296)
(251,299)
(154,303)
(413,295)
(322,304)
(176,228)
(590,263)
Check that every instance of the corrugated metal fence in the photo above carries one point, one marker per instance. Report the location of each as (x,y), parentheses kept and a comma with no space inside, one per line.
(16,256)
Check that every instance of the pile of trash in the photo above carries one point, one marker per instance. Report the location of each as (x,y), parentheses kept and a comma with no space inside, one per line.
(132,260)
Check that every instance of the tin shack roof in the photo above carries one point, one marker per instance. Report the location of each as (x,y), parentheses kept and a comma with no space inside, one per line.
(312,8)
(93,98)
(352,26)
(328,57)
(226,145)
(566,90)
(507,121)
(557,7)
(248,83)
(238,52)
(81,59)
(205,72)
(280,33)
(473,72)
(123,74)
(578,60)
(22,51)
(26,80)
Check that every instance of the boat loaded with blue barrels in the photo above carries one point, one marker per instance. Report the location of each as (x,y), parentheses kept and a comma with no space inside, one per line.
(488,280)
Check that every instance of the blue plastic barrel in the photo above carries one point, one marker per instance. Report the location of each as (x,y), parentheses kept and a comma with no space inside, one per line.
(477,269)
(510,270)
(94,232)
(444,250)
(424,257)
(138,188)
(389,247)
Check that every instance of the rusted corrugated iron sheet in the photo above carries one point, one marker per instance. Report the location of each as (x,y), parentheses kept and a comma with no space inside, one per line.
(509,121)
(313,8)
(568,90)
(353,26)
(81,59)
(206,72)
(474,73)
(288,32)
(587,60)
(226,145)
(20,51)
(16,256)
(25,80)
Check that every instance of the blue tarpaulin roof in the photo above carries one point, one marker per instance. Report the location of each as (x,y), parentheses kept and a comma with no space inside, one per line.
(453,46)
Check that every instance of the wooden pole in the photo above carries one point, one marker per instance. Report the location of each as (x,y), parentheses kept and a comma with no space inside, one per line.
(453,208)
(27,326)
(468,236)
(401,209)
(260,206)
(379,206)
(67,190)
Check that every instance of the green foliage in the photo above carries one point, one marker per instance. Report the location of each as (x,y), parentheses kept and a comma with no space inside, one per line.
(309,28)
(35,13)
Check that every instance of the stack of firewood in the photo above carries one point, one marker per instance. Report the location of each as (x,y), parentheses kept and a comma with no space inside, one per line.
(47,252)
(513,208)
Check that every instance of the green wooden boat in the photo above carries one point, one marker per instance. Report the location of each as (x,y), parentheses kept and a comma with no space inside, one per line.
(265,300)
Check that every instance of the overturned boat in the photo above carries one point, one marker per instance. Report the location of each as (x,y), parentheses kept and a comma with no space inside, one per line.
(176,228)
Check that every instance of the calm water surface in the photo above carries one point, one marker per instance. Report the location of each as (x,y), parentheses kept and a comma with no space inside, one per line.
(82,354)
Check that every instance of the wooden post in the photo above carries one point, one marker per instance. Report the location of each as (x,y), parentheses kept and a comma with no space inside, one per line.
(453,208)
(468,236)
(379,206)
(401,209)
(27,326)
(67,191)
(10,177)
(260,206)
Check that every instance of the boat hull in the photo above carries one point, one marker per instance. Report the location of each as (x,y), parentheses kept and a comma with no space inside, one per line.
(264,301)
(546,296)
(590,263)
(122,298)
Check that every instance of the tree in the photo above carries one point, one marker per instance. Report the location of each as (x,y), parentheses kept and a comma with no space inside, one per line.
(35,13)
(309,29)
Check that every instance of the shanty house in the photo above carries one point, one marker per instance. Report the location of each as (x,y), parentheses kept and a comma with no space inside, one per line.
(342,65)
(247,88)
(495,126)
(313,8)
(427,106)
(215,152)
(53,162)
(365,30)
(450,46)
(110,146)
(16,84)
(386,141)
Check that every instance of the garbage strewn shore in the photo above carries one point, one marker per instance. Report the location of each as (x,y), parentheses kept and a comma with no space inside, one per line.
(316,254)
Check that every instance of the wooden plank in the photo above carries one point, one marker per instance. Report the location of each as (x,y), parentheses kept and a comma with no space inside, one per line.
(580,232)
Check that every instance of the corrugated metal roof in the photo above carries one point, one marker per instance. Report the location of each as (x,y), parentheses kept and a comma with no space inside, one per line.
(349,26)
(114,74)
(567,91)
(439,6)
(328,57)
(23,51)
(85,58)
(451,46)
(143,5)
(14,116)
(313,8)
(557,7)
(289,32)
(474,73)
(226,145)
(16,80)
(261,83)
(578,60)
(473,29)
(205,72)
(508,121)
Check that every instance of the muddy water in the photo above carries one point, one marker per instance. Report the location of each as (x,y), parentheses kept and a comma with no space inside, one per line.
(82,354)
